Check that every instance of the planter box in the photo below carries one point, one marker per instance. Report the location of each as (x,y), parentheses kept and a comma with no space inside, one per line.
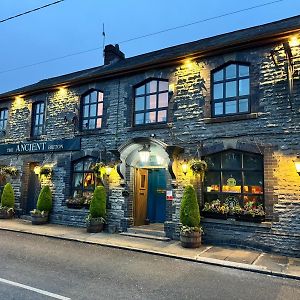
(190,240)
(94,227)
(39,219)
(87,206)
(4,214)
(213,215)
(74,205)
(249,218)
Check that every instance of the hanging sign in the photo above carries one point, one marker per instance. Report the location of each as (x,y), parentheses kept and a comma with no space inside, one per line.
(41,146)
(169,195)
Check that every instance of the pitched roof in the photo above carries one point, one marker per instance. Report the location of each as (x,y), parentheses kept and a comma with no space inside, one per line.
(207,46)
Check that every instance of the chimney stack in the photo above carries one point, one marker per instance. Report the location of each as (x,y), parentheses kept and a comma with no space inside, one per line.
(112,54)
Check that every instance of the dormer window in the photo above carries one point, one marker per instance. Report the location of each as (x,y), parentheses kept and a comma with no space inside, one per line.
(92,110)
(151,102)
(231,90)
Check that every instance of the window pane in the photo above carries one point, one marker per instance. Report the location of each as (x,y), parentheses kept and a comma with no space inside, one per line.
(218,91)
(230,71)
(163,86)
(93,110)
(88,163)
(88,181)
(256,199)
(243,105)
(93,97)
(41,121)
(77,180)
(100,97)
(92,124)
(151,102)
(231,160)
(230,89)
(253,182)
(139,103)
(150,117)
(244,87)
(86,99)
(162,116)
(86,111)
(230,107)
(36,121)
(139,119)
(99,122)
(2,114)
(78,166)
(151,87)
(140,90)
(212,182)
(100,109)
(213,161)
(219,108)
(5,113)
(218,76)
(232,182)
(163,100)
(42,107)
(243,71)
(253,162)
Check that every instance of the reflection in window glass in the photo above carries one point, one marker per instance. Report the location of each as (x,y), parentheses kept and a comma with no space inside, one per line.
(230,71)
(243,105)
(150,117)
(218,91)
(230,107)
(231,89)
(162,116)
(244,87)
(218,76)
(139,119)
(219,108)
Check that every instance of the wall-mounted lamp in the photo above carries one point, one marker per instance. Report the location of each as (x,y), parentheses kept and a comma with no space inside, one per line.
(297,164)
(184,167)
(37,170)
(294,41)
(145,153)
(108,170)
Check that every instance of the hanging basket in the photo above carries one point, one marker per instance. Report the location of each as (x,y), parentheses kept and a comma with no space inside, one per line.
(198,167)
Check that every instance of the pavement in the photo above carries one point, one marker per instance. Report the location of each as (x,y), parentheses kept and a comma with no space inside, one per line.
(247,260)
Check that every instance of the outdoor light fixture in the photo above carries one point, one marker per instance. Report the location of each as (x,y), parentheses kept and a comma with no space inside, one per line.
(145,153)
(37,170)
(297,164)
(108,170)
(294,41)
(184,167)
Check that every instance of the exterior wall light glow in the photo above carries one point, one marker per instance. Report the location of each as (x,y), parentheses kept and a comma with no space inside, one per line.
(108,170)
(297,164)
(184,167)
(144,153)
(294,41)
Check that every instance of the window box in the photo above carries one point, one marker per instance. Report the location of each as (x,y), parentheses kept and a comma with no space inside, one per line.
(214,215)
(75,205)
(250,218)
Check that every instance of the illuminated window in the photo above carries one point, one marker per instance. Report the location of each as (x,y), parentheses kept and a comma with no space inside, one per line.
(151,102)
(234,177)
(92,110)
(83,176)
(38,118)
(3,118)
(231,90)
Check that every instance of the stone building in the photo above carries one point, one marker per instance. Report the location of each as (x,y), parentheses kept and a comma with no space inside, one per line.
(232,100)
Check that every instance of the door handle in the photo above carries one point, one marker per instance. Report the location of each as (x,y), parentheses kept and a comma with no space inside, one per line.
(142,194)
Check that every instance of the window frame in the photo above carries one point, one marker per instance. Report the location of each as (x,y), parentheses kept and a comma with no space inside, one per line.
(96,117)
(34,116)
(4,120)
(237,97)
(242,170)
(145,94)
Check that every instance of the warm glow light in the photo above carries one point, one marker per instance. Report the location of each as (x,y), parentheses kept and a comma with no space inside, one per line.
(19,102)
(294,41)
(108,170)
(188,64)
(37,170)
(184,167)
(145,153)
(171,87)
(297,164)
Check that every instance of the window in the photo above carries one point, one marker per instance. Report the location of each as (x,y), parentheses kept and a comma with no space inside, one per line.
(3,118)
(231,90)
(92,110)
(38,116)
(151,102)
(234,177)
(83,177)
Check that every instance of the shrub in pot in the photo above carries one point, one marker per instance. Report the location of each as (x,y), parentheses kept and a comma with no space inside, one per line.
(96,217)
(190,232)
(40,215)
(7,202)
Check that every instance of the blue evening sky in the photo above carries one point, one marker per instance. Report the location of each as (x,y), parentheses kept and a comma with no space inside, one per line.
(76,25)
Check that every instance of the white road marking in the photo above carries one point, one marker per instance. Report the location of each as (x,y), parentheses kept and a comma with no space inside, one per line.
(30,288)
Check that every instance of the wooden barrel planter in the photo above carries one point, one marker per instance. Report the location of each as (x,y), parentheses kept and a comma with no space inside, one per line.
(190,239)
(37,219)
(6,214)
(94,226)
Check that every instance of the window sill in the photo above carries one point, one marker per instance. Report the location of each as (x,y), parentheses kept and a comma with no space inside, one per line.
(149,127)
(89,132)
(231,118)
(232,221)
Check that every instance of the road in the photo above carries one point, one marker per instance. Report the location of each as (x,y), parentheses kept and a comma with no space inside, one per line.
(72,270)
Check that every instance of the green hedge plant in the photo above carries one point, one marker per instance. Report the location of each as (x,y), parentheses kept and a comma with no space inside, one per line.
(44,202)
(98,203)
(8,196)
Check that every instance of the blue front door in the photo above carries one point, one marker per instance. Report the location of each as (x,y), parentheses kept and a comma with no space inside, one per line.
(156,204)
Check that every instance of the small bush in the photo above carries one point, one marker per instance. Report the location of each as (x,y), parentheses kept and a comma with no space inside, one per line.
(44,202)
(8,196)
(189,210)
(98,203)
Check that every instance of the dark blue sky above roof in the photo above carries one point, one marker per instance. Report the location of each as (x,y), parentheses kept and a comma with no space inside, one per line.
(76,25)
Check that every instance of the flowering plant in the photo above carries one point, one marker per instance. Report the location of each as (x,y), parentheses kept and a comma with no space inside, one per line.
(217,207)
(188,229)
(37,212)
(7,209)
(250,208)
(99,169)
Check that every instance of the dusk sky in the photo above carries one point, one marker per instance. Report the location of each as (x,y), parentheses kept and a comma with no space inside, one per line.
(76,25)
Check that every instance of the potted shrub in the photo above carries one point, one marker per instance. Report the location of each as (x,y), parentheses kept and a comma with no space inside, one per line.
(215,210)
(40,215)
(190,232)
(76,202)
(250,212)
(96,217)
(7,202)
(198,167)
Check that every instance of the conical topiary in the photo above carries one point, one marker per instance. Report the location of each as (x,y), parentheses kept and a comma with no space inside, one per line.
(44,202)
(98,203)
(8,196)
(189,211)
